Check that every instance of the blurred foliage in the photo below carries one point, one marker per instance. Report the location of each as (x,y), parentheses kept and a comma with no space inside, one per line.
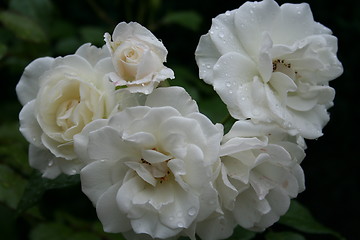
(35,208)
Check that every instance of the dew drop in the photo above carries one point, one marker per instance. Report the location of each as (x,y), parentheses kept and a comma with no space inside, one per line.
(227,13)
(251,11)
(228,84)
(211,32)
(171,218)
(102,160)
(221,35)
(208,66)
(230,92)
(180,224)
(51,162)
(242,98)
(192,211)
(73,171)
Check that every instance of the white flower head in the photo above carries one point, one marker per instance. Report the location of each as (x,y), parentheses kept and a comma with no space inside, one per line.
(60,96)
(151,168)
(138,58)
(272,63)
(259,175)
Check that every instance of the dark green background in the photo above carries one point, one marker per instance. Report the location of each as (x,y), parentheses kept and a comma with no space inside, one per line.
(332,164)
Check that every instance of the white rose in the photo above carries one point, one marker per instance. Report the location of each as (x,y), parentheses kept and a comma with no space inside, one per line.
(260,172)
(151,167)
(138,58)
(272,64)
(60,97)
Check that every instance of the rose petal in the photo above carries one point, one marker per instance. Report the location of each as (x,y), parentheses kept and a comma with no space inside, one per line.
(30,81)
(112,219)
(170,96)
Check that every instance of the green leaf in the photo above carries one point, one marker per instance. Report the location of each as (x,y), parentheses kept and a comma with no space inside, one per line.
(3,50)
(36,9)
(83,236)
(11,186)
(284,236)
(23,27)
(37,186)
(13,146)
(188,19)
(242,234)
(67,45)
(61,231)
(300,218)
(8,226)
(53,231)
(94,35)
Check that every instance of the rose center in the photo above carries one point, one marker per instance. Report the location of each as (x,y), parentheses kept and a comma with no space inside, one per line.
(280,65)
(131,55)
(160,171)
(65,112)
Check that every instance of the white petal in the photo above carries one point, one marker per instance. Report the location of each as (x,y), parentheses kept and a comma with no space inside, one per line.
(30,81)
(206,56)
(217,226)
(81,140)
(251,20)
(111,217)
(175,97)
(232,74)
(45,161)
(153,156)
(107,143)
(92,53)
(279,205)
(96,179)
(29,126)
(223,34)
(182,212)
(249,209)
(123,31)
(149,224)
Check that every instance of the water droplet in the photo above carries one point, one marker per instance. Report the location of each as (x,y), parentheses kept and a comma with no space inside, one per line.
(102,160)
(230,91)
(180,224)
(51,162)
(211,32)
(242,98)
(192,211)
(227,13)
(171,218)
(251,12)
(288,125)
(143,84)
(221,35)
(208,66)
(228,84)
(299,12)
(73,171)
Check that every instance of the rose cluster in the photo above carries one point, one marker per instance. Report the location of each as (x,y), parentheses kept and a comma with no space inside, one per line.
(153,165)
